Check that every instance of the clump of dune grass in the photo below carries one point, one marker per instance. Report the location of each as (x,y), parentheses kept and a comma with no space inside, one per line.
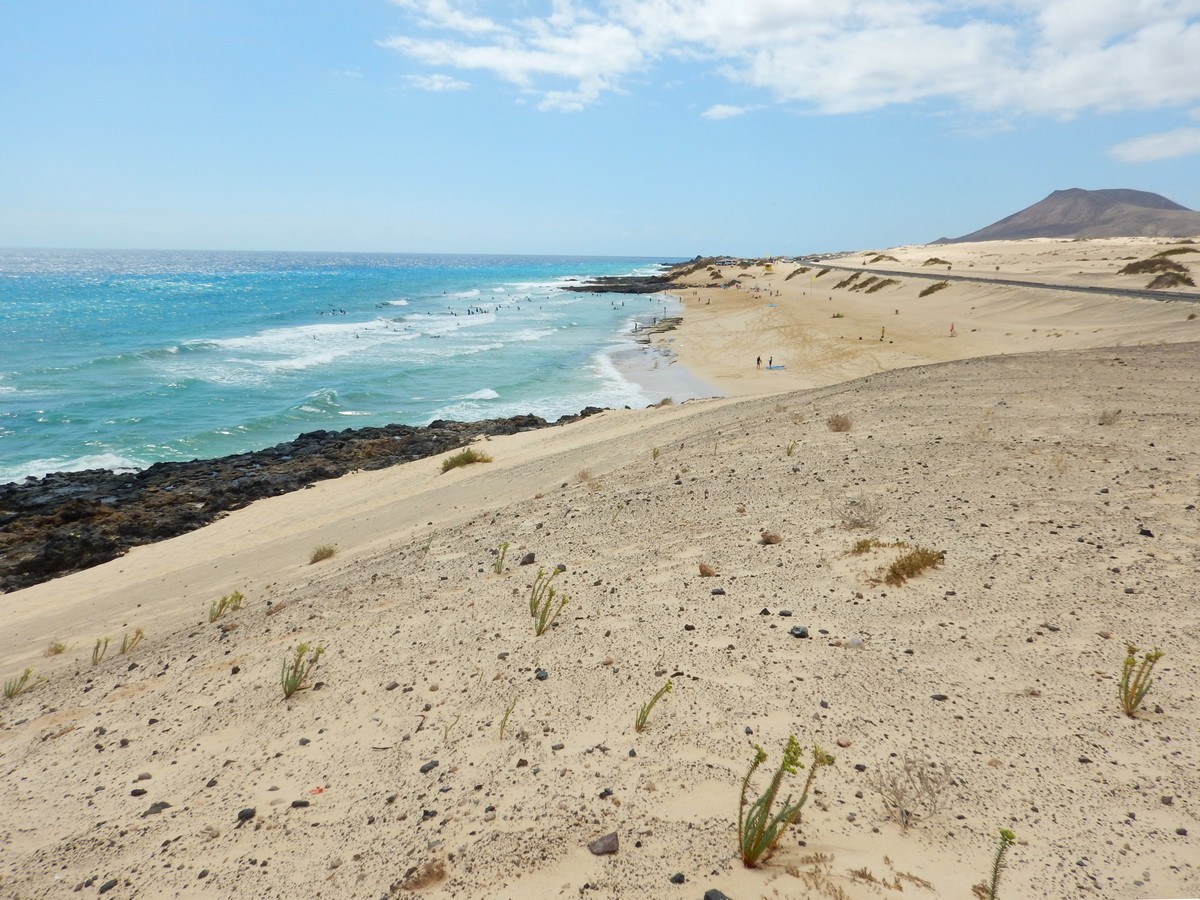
(862,511)
(1151,266)
(1175,251)
(227,604)
(18,685)
(1109,416)
(882,257)
(847,281)
(130,641)
(644,713)
(55,648)
(934,288)
(322,552)
(1135,678)
(838,422)
(298,667)
(101,649)
(935,261)
(880,285)
(464,457)
(912,564)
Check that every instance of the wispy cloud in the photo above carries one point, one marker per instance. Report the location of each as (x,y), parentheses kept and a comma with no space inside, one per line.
(1180,142)
(1024,57)
(723,111)
(437,82)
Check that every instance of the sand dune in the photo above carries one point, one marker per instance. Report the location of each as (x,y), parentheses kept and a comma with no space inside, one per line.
(1063,538)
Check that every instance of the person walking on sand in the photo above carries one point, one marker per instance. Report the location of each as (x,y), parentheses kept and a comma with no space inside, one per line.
(758,363)
(771,362)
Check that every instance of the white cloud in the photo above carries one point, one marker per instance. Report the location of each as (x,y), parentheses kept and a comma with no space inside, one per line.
(1005,57)
(722,111)
(1180,142)
(437,82)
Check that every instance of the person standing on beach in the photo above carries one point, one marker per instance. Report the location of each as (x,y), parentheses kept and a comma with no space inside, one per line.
(771,362)
(758,363)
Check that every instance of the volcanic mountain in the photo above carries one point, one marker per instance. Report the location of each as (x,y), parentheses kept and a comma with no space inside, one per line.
(1076,213)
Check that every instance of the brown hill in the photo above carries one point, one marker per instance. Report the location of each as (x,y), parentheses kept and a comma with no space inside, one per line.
(1076,213)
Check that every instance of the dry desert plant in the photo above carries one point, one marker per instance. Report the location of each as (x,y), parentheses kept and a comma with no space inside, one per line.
(912,564)
(129,641)
(99,650)
(55,648)
(322,553)
(914,791)
(857,512)
(1135,678)
(1109,416)
(512,704)
(759,830)
(934,288)
(464,458)
(838,422)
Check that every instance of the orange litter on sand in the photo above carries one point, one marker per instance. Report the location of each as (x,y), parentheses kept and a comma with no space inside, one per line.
(317,790)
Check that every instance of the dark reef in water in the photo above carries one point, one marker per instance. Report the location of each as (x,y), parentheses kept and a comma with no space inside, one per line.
(623,284)
(69,521)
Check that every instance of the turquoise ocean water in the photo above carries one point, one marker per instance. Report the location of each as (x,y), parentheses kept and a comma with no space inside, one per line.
(114,359)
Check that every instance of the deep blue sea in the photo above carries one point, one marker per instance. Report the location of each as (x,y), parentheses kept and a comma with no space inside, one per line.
(119,359)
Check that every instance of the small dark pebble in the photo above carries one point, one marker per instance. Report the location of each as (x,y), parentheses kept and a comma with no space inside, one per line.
(392,685)
(632,753)
(304,742)
(605,845)
(606,793)
(859,767)
(557,746)
(138,792)
(714,894)
(1084,760)
(156,808)
(786,613)
(203,873)
(939,697)
(718,592)
(749,730)
(245,815)
(561,567)
(108,886)
(798,631)
(527,560)
(300,804)
(764,612)
(1145,532)
(1182,832)
(427,814)
(429,767)
(678,878)
(235,670)
(211,783)
(522,763)
(541,675)
(689,627)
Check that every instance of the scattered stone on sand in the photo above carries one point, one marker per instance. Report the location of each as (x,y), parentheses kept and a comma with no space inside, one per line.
(604,845)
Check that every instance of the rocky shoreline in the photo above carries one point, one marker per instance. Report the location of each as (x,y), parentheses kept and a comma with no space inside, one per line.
(69,521)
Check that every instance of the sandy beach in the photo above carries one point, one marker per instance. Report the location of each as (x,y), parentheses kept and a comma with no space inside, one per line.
(1048,451)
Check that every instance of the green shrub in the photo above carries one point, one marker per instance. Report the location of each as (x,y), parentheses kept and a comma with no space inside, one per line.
(99,650)
(643,714)
(758,829)
(1135,678)
(991,890)
(464,458)
(228,603)
(498,562)
(298,667)
(541,602)
(129,641)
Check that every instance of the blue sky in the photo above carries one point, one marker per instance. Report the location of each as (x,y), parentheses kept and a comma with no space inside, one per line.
(639,127)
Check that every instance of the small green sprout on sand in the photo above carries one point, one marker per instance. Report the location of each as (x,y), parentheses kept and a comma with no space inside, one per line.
(1135,678)
(298,667)
(991,890)
(654,452)
(644,712)
(228,603)
(18,685)
(541,602)
(498,563)
(99,650)
(791,447)
(759,831)
(129,641)
(322,553)
(512,704)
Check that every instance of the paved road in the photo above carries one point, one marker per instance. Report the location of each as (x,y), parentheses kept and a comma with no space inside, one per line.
(947,276)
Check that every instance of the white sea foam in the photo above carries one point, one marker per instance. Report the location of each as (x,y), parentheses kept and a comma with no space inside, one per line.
(400,302)
(482,394)
(39,467)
